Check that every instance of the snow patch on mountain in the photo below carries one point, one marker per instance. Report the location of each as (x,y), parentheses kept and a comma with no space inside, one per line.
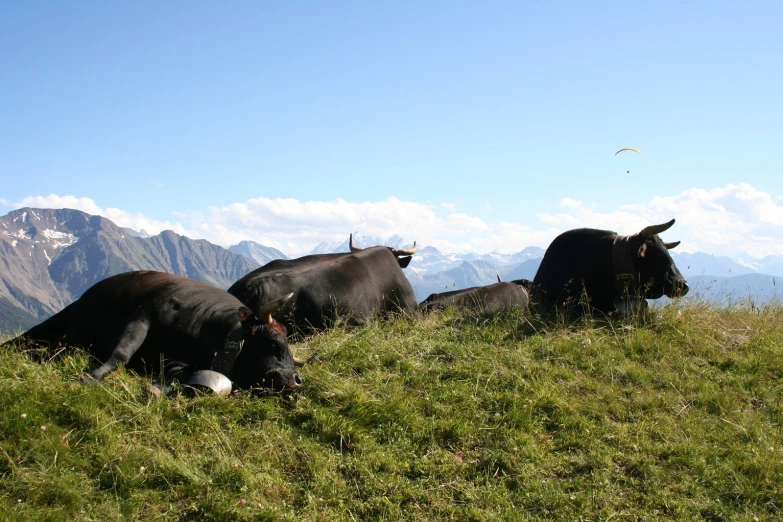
(59,239)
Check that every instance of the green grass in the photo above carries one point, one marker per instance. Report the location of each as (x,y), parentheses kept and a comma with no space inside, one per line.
(436,418)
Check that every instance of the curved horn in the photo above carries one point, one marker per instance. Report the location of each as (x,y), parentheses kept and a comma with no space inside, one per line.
(274,306)
(669,246)
(404,251)
(650,231)
(499,280)
(353,247)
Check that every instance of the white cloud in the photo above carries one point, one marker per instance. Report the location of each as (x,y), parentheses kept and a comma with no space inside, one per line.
(297,227)
(570,203)
(54,201)
(733,220)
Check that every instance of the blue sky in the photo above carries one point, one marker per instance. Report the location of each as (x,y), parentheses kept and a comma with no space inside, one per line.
(470,125)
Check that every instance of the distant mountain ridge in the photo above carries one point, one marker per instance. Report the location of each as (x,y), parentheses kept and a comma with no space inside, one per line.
(432,271)
(49,257)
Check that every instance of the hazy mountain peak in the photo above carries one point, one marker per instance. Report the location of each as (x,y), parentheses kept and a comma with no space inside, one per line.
(259,253)
(361,241)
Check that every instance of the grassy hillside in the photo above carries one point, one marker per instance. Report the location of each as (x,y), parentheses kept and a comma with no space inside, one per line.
(440,418)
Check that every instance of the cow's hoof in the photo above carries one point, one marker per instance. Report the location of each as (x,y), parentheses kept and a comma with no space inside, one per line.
(86,378)
(153,390)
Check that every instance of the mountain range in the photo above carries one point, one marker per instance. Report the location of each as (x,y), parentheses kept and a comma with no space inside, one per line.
(49,257)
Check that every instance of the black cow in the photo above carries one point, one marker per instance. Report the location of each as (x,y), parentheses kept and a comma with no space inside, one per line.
(487,299)
(615,273)
(354,285)
(136,317)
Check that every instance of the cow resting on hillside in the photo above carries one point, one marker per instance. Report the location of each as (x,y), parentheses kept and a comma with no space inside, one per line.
(487,299)
(354,285)
(612,272)
(137,317)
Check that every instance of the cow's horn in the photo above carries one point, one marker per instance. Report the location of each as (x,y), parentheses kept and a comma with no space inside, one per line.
(354,248)
(669,246)
(499,280)
(274,306)
(404,251)
(650,231)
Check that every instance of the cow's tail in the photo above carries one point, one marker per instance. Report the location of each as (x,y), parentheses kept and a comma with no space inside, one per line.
(47,334)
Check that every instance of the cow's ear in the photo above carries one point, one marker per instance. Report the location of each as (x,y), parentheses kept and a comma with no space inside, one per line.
(246,317)
(643,249)
(404,261)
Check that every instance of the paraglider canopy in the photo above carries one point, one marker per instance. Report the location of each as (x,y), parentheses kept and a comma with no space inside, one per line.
(629,148)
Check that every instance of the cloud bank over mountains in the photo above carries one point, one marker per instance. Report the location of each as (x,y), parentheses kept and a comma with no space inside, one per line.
(736,220)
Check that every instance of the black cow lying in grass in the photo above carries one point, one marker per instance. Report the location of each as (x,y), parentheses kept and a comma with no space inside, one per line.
(487,299)
(355,285)
(605,272)
(136,317)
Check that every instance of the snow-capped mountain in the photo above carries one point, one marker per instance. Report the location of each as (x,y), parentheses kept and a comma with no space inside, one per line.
(430,260)
(49,257)
(361,241)
(257,252)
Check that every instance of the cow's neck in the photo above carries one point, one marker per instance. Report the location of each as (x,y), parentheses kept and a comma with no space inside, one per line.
(224,359)
(624,270)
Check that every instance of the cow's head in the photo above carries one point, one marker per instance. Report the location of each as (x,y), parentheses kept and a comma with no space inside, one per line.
(656,272)
(265,359)
(403,255)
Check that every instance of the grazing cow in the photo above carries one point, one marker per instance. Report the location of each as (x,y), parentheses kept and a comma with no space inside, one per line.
(355,285)
(614,272)
(487,299)
(137,317)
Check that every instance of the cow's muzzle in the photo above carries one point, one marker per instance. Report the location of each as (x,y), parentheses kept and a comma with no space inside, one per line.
(295,382)
(282,380)
(679,289)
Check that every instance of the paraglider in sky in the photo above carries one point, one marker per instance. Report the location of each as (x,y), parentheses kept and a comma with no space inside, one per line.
(629,148)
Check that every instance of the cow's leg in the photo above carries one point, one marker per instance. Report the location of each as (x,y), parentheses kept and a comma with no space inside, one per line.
(130,340)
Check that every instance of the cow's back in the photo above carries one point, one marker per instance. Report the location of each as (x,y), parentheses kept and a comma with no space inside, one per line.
(184,316)
(577,262)
(354,285)
(487,299)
